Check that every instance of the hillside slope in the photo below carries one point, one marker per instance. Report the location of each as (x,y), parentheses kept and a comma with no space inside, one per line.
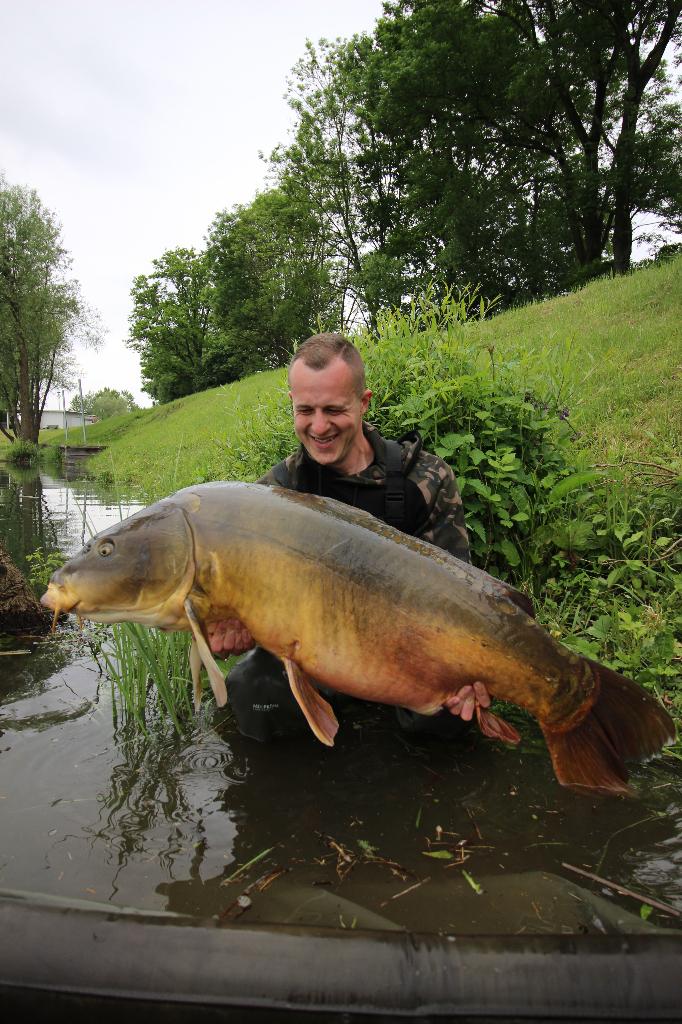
(612,351)
(617,347)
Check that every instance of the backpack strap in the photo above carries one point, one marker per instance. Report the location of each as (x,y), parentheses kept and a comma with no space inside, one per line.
(394,509)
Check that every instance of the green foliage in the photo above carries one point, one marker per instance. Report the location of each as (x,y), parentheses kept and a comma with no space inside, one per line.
(40,309)
(271,283)
(104,403)
(150,671)
(170,324)
(508,447)
(42,564)
(509,136)
(23,453)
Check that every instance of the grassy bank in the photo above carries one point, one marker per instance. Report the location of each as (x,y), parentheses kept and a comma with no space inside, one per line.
(610,353)
(614,350)
(599,550)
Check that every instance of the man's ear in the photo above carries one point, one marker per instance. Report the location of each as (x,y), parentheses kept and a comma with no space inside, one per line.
(366,400)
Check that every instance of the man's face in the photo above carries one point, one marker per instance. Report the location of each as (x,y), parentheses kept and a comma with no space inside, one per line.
(328,413)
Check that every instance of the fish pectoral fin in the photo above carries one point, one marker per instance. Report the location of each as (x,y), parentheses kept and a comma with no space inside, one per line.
(195,666)
(496,727)
(204,655)
(319,713)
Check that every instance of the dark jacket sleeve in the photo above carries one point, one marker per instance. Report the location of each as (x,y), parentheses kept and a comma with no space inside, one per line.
(444,525)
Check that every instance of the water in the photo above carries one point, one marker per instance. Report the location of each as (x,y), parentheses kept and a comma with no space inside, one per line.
(92,810)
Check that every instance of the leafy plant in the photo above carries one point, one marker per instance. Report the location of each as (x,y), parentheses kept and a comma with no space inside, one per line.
(22,453)
(42,564)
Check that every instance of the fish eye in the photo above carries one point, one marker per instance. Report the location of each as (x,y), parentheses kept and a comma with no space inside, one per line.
(105,548)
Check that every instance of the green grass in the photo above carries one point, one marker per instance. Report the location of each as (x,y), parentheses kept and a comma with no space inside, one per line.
(615,347)
(611,352)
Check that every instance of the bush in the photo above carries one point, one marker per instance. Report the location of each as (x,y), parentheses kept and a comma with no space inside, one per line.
(23,453)
(508,447)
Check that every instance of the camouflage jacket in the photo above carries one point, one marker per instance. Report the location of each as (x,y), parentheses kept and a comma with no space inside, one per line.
(433,506)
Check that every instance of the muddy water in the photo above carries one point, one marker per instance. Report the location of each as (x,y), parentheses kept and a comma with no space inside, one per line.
(92,810)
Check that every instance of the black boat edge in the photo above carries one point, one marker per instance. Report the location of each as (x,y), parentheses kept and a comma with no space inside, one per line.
(83,961)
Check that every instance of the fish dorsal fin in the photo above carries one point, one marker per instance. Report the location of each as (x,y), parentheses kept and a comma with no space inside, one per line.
(204,654)
(195,666)
(319,713)
(521,600)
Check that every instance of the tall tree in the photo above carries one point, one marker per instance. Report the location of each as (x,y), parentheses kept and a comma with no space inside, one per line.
(41,312)
(570,83)
(170,323)
(408,196)
(348,172)
(272,281)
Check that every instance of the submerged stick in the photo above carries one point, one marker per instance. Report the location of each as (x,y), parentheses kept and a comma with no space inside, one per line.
(658,904)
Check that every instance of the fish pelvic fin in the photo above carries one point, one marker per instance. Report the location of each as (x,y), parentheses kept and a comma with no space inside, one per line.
(204,655)
(495,727)
(321,717)
(624,723)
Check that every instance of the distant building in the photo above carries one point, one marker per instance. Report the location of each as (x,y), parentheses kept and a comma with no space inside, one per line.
(54,419)
(57,419)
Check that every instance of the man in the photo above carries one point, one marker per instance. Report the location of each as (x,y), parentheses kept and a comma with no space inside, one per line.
(343,457)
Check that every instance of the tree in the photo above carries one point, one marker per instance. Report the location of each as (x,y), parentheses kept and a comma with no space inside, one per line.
(170,324)
(105,403)
(41,311)
(404,199)
(578,86)
(349,173)
(272,282)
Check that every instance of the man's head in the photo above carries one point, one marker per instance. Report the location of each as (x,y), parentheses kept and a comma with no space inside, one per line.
(329,398)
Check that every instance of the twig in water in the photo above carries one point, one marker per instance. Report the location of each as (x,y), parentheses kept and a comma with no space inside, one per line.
(473,822)
(404,892)
(613,835)
(665,907)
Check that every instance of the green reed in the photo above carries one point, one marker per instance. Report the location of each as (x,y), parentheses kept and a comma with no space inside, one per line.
(149,671)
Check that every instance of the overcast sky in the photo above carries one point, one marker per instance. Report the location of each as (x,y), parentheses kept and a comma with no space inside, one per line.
(137,120)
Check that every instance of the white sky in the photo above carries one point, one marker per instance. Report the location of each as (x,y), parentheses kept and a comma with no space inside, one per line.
(137,120)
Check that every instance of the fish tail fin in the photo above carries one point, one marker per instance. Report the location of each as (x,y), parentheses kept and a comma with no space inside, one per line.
(625,722)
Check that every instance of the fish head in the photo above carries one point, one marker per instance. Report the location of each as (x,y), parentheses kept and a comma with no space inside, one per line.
(140,570)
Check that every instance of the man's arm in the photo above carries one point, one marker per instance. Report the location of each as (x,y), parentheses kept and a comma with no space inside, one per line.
(444,525)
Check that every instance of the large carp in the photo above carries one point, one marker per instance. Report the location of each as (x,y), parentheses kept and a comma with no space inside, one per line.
(360,607)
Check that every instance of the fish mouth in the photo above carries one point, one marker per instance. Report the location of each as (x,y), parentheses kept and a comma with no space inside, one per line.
(57,600)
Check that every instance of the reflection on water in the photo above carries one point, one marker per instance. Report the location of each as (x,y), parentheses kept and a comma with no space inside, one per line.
(38,509)
(91,809)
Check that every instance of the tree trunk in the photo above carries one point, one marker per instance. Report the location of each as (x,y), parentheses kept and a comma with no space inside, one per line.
(622,203)
(20,611)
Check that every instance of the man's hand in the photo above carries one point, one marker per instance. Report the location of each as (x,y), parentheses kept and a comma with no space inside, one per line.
(230,636)
(466,700)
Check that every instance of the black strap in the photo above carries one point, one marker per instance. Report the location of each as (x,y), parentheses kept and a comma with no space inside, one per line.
(394,509)
(396,473)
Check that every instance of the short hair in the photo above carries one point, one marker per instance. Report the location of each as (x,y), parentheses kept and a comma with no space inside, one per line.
(318,352)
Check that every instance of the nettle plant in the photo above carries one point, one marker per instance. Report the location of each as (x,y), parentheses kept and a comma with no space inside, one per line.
(509,448)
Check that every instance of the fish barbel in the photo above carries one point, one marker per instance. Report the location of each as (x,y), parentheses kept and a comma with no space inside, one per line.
(355,605)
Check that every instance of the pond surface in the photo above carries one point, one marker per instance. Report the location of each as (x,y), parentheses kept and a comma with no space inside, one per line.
(92,810)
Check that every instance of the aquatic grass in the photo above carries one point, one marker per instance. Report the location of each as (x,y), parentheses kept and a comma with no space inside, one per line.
(147,663)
